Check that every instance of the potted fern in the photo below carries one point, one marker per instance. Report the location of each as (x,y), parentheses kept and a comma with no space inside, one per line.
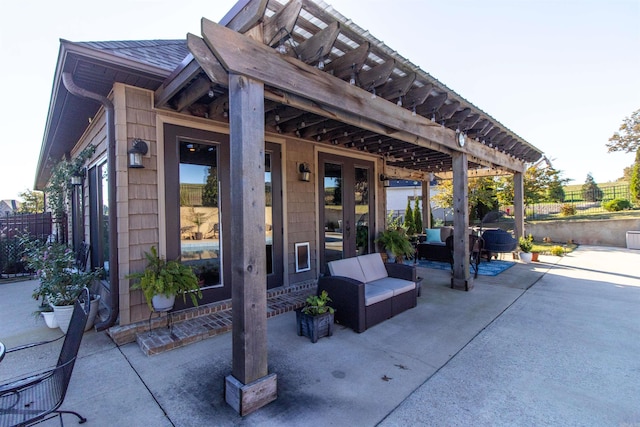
(162,280)
(396,243)
(315,319)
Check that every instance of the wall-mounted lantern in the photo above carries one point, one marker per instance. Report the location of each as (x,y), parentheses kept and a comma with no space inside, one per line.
(305,172)
(136,152)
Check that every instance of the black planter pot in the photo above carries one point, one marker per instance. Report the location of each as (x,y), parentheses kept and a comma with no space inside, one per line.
(314,327)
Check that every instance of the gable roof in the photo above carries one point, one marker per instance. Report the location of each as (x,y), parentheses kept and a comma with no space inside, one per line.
(96,66)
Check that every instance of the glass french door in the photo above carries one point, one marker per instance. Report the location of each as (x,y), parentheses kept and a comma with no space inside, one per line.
(346,207)
(198,208)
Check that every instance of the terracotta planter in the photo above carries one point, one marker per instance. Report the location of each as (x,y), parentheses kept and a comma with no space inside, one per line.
(314,327)
(534,256)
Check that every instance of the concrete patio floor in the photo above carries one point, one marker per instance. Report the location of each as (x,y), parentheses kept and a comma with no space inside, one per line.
(549,343)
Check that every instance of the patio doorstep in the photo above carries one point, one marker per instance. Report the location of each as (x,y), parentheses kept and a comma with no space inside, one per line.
(198,328)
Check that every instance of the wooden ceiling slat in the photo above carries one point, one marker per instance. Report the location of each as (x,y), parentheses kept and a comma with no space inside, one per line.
(281,24)
(319,45)
(192,93)
(209,63)
(351,62)
(246,18)
(376,76)
(417,95)
(171,87)
(397,87)
(446,111)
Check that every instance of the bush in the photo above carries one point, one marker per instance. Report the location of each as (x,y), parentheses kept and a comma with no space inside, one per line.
(616,205)
(567,210)
(557,250)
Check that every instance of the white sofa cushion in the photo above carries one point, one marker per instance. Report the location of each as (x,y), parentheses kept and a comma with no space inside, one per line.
(348,267)
(397,286)
(374,294)
(372,267)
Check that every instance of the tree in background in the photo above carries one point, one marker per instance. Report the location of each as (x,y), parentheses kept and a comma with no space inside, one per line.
(634,183)
(32,201)
(590,190)
(417,217)
(409,224)
(540,185)
(627,138)
(482,196)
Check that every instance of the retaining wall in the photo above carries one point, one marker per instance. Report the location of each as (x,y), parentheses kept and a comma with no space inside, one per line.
(604,232)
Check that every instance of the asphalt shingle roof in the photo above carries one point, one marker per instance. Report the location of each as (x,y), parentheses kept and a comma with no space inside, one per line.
(166,54)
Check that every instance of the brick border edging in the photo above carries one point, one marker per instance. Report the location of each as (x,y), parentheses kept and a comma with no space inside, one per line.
(126,334)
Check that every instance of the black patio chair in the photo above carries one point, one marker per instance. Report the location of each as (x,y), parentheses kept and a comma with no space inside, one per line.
(476,245)
(36,398)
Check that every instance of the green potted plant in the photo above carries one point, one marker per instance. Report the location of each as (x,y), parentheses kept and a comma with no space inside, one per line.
(60,283)
(525,244)
(162,280)
(198,218)
(396,243)
(315,319)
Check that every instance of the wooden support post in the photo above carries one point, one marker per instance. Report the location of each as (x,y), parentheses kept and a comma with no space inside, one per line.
(518,204)
(461,279)
(249,387)
(426,205)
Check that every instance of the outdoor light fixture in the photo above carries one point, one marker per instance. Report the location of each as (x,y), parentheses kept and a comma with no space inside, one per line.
(138,150)
(77,177)
(305,172)
(385,180)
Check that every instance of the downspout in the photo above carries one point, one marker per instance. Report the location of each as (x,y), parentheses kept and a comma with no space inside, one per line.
(114,284)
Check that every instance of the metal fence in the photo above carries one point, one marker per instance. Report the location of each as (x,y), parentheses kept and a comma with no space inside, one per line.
(582,201)
(12,226)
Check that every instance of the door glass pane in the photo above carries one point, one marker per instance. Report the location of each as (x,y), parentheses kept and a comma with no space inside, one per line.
(361,197)
(200,232)
(268,211)
(104,216)
(333,212)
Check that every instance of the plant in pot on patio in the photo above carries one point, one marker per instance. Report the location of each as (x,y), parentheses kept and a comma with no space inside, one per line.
(60,283)
(396,243)
(162,280)
(526,244)
(198,219)
(315,319)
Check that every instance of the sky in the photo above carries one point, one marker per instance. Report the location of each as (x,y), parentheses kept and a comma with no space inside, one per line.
(562,74)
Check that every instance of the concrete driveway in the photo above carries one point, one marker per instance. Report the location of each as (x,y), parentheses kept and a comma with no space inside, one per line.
(550,343)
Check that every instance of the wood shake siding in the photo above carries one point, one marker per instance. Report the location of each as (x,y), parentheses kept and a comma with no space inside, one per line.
(300,207)
(138,199)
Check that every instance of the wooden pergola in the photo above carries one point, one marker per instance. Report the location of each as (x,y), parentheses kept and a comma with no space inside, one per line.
(301,69)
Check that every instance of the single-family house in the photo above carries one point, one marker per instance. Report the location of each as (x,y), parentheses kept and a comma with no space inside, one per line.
(254,150)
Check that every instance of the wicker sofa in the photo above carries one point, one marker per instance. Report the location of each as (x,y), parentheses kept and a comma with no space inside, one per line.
(366,291)
(433,247)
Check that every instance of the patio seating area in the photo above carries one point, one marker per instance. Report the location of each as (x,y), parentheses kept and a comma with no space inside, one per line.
(481,344)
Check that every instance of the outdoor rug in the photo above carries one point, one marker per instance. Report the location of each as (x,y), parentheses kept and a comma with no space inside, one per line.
(492,268)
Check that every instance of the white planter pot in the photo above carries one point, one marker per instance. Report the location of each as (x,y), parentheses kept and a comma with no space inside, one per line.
(50,319)
(526,257)
(63,315)
(93,311)
(163,303)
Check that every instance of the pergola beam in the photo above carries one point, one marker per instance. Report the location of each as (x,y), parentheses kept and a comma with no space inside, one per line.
(244,56)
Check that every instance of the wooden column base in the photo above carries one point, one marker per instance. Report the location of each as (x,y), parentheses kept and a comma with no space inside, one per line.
(247,398)
(462,284)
